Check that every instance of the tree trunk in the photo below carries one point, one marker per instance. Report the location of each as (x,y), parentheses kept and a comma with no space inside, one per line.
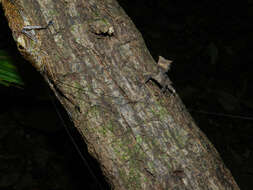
(96,62)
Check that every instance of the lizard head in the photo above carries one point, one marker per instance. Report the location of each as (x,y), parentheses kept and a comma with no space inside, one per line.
(164,63)
(30,51)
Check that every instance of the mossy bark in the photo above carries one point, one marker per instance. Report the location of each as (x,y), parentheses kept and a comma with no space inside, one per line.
(95,60)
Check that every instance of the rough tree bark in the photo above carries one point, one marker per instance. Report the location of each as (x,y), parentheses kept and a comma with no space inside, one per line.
(96,61)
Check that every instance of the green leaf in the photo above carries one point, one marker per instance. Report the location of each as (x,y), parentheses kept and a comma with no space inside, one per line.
(9,74)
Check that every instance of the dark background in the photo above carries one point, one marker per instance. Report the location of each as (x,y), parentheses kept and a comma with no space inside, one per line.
(210,43)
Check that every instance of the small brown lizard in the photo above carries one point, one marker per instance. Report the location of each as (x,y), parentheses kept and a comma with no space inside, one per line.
(160,76)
